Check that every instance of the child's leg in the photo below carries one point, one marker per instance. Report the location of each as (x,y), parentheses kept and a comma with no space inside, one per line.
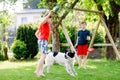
(80,61)
(39,69)
(85,50)
(84,61)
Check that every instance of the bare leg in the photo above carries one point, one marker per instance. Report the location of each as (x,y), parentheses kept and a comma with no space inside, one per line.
(80,61)
(39,69)
(84,61)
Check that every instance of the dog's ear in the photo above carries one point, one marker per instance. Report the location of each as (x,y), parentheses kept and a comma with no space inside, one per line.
(73,52)
(66,51)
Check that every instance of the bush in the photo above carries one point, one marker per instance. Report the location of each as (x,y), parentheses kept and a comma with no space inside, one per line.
(1,52)
(26,33)
(100,35)
(72,34)
(19,49)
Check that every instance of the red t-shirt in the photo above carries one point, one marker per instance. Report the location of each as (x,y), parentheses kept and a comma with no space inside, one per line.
(44,31)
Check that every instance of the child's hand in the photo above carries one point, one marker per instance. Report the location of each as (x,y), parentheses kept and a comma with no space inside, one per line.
(88,37)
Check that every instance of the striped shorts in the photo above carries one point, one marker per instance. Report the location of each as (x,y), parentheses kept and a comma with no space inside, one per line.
(43,46)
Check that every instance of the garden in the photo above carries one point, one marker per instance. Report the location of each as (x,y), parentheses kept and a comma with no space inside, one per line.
(18,60)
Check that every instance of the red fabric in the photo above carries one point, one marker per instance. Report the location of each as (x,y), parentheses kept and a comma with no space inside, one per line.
(44,30)
(82,49)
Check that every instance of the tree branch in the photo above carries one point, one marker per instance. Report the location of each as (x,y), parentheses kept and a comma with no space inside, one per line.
(100,8)
(65,14)
(114,7)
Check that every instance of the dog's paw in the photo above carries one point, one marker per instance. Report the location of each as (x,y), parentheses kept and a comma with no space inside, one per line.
(48,71)
(72,75)
(76,74)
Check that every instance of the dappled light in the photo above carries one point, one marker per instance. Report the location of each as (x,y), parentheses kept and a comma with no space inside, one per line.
(15,65)
(92,67)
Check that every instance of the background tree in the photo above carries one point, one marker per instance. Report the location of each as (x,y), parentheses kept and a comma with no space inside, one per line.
(111,9)
(57,18)
(33,4)
(5,21)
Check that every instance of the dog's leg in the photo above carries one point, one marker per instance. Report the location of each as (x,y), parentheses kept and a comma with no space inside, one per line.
(44,67)
(48,68)
(77,58)
(73,70)
(69,69)
(48,63)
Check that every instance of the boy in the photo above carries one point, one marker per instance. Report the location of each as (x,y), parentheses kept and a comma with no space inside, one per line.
(82,44)
(43,34)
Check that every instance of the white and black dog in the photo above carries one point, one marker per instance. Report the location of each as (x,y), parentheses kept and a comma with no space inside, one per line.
(65,59)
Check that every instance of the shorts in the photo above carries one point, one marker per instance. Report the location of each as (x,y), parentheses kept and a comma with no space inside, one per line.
(43,46)
(82,49)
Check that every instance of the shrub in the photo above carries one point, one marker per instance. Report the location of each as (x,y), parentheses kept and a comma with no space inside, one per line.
(26,33)
(1,52)
(100,35)
(19,49)
(72,34)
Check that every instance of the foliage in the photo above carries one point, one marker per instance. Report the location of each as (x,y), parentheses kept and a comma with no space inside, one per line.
(32,4)
(12,1)
(100,35)
(1,52)
(5,18)
(19,49)
(26,33)
(5,21)
(72,34)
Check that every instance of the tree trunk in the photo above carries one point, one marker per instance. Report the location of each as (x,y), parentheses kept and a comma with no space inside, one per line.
(55,39)
(5,50)
(55,31)
(3,34)
(113,25)
(113,28)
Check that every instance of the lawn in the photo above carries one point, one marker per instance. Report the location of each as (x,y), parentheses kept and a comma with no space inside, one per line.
(97,69)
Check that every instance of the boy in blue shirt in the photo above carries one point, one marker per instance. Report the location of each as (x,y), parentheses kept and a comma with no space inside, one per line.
(82,44)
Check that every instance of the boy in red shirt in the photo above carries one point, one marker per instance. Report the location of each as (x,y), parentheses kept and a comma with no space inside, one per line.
(43,34)
(82,44)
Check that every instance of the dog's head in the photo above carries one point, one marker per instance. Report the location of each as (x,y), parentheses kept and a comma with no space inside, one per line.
(69,54)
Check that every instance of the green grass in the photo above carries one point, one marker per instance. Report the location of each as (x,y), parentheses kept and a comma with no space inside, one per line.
(97,69)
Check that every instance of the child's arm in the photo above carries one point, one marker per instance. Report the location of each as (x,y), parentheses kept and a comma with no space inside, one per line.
(49,14)
(37,33)
(88,36)
(76,41)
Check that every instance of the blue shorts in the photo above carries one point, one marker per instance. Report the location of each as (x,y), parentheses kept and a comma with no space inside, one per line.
(43,46)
